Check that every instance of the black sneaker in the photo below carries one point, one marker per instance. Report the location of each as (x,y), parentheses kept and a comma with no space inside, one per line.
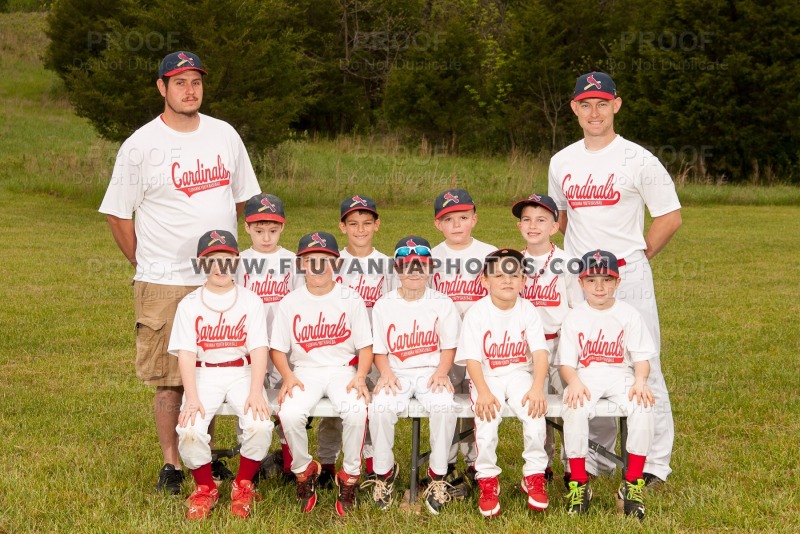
(170,479)
(382,488)
(437,494)
(652,482)
(325,480)
(578,497)
(348,488)
(460,486)
(632,498)
(220,471)
(548,475)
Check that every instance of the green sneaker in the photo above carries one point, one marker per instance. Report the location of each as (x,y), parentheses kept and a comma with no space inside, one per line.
(632,496)
(578,497)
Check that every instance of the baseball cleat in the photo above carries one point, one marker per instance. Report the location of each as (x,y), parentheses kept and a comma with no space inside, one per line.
(631,497)
(653,482)
(325,480)
(200,502)
(578,498)
(348,487)
(243,494)
(437,494)
(307,486)
(489,500)
(382,488)
(220,471)
(534,487)
(548,475)
(170,479)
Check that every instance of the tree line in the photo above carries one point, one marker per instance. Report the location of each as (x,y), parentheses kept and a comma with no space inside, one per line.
(709,85)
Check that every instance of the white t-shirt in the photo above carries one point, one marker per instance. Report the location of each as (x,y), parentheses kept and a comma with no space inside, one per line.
(219,337)
(413,333)
(270,276)
(321,331)
(180,185)
(502,340)
(604,194)
(370,276)
(459,272)
(553,295)
(613,338)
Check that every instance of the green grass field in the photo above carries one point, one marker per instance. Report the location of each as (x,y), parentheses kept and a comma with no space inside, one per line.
(77,440)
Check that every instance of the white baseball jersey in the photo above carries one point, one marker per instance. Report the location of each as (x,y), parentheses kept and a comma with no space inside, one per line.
(413,333)
(321,331)
(553,295)
(219,337)
(179,185)
(370,276)
(605,192)
(615,337)
(502,340)
(459,272)
(270,276)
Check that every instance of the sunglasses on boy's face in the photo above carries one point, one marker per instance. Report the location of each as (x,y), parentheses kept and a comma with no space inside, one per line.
(419,250)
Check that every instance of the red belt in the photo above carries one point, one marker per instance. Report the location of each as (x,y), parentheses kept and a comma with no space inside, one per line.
(241,362)
(548,337)
(621,262)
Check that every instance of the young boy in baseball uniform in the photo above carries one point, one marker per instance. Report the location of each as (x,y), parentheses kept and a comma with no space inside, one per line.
(549,285)
(366,270)
(604,354)
(326,327)
(458,262)
(268,269)
(502,340)
(220,339)
(415,334)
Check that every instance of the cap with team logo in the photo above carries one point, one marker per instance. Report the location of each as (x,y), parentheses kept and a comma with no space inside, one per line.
(595,85)
(498,257)
(264,207)
(217,241)
(178,62)
(535,200)
(412,247)
(358,203)
(452,200)
(599,262)
(318,242)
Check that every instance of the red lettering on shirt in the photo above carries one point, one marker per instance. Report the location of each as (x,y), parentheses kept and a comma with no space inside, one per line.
(200,178)
(590,193)
(542,296)
(460,289)
(406,345)
(369,293)
(600,349)
(270,289)
(506,352)
(320,334)
(221,335)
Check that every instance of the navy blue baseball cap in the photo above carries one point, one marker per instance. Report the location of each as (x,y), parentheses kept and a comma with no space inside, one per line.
(358,203)
(318,242)
(595,85)
(535,200)
(452,200)
(217,241)
(264,207)
(599,263)
(412,247)
(178,62)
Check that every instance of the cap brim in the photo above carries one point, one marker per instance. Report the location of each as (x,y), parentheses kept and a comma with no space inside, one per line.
(324,250)
(358,208)
(264,217)
(517,208)
(456,207)
(599,272)
(595,94)
(219,248)
(173,72)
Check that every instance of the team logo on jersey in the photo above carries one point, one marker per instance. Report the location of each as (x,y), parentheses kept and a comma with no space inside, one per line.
(270,289)
(358,200)
(592,82)
(215,237)
(540,295)
(506,352)
(200,177)
(449,197)
(590,193)
(321,334)
(406,345)
(459,288)
(316,240)
(221,335)
(185,59)
(267,205)
(600,349)
(369,292)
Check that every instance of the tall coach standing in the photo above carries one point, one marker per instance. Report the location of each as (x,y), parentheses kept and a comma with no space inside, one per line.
(601,185)
(180,174)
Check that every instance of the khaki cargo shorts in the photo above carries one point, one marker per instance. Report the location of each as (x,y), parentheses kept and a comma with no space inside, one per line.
(154,310)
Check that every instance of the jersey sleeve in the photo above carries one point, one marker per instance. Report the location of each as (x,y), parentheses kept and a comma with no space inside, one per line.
(125,191)
(360,323)
(379,328)
(244,182)
(657,188)
(568,344)
(639,343)
(469,343)
(182,336)
(257,328)
(554,189)
(281,329)
(449,324)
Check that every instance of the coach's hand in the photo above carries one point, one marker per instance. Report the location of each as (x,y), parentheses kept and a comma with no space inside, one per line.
(258,403)
(288,385)
(359,383)
(487,406)
(190,411)
(536,401)
(388,382)
(440,381)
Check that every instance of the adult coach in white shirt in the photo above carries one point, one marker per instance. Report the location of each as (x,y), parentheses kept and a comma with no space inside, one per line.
(601,185)
(180,174)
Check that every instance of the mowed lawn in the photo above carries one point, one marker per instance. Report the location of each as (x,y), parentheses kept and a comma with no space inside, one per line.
(76,426)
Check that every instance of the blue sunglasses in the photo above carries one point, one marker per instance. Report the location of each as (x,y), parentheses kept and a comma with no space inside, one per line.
(419,250)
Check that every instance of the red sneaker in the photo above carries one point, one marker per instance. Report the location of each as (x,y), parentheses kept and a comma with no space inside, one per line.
(489,500)
(242,496)
(307,486)
(533,485)
(200,502)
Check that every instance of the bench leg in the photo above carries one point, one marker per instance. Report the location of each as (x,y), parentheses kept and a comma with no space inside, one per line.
(415,461)
(623,436)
